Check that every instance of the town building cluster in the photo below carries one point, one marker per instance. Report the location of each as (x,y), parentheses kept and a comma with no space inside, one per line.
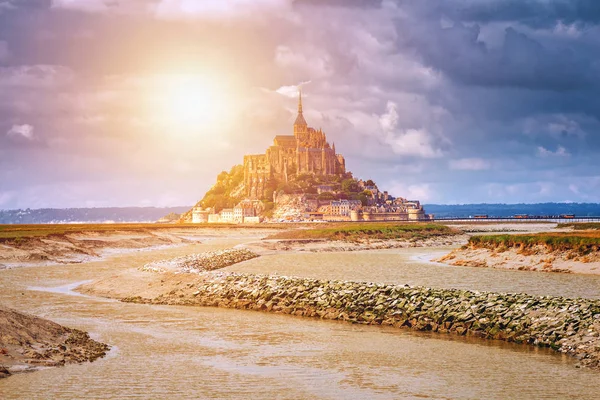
(245,212)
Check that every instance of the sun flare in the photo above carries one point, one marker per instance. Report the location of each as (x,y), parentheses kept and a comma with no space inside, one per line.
(190,102)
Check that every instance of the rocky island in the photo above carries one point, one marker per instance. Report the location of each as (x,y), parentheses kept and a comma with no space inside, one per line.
(300,177)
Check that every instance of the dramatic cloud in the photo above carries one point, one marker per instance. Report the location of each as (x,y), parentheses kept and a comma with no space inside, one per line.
(442,100)
(406,142)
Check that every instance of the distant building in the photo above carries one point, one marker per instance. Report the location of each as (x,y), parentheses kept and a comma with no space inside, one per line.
(200,216)
(344,207)
(226,215)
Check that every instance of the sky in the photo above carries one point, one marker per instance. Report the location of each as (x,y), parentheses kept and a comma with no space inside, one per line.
(144,102)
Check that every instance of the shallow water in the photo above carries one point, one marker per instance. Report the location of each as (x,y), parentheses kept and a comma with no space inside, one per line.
(412,266)
(189,352)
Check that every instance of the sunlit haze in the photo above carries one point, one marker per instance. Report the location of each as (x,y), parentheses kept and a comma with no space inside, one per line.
(144,102)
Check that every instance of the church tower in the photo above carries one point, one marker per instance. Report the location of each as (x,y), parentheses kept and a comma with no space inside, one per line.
(300,126)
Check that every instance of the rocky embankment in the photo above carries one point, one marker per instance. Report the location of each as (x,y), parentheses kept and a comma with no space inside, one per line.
(570,326)
(196,263)
(28,342)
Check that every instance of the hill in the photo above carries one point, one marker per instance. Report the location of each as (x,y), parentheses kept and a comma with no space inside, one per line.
(87,215)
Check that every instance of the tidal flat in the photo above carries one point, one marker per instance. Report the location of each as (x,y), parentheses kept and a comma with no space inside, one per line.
(160,350)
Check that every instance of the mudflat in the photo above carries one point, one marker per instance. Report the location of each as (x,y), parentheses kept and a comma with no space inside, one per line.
(30,245)
(28,343)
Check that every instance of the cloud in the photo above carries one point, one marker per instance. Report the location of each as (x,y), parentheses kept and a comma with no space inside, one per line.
(313,62)
(6,197)
(560,152)
(523,59)
(558,126)
(408,142)
(83,5)
(469,164)
(291,90)
(422,191)
(536,13)
(35,76)
(217,8)
(4,53)
(10,5)
(398,85)
(21,132)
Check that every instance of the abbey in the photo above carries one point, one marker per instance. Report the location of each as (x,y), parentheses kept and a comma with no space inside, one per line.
(306,151)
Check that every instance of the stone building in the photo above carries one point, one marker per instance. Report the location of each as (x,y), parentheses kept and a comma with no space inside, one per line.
(226,215)
(244,210)
(200,215)
(344,207)
(306,151)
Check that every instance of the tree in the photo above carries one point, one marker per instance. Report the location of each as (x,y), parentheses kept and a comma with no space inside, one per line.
(222,177)
(370,183)
(363,199)
(350,185)
(304,177)
(326,196)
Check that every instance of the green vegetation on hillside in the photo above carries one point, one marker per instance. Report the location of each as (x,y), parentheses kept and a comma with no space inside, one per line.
(223,193)
(346,187)
(582,242)
(364,231)
(228,190)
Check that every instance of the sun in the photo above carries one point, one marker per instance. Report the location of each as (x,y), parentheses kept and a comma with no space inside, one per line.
(190,101)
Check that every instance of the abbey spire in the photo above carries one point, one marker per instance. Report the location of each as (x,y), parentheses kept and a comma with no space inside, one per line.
(300,125)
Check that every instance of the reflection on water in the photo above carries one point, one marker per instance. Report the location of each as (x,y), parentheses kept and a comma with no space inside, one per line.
(189,352)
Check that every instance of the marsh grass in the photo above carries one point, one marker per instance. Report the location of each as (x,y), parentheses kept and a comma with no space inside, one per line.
(580,243)
(18,233)
(581,226)
(367,231)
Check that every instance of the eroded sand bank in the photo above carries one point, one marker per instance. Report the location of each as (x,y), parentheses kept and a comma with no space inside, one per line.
(28,343)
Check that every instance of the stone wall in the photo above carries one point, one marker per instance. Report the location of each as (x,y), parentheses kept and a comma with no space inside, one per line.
(571,326)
